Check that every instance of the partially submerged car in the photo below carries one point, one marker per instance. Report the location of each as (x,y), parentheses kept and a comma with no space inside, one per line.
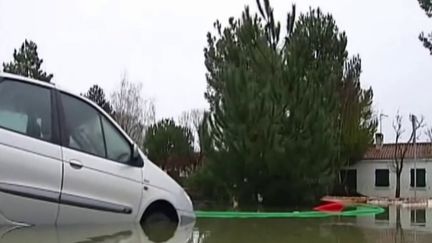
(63,160)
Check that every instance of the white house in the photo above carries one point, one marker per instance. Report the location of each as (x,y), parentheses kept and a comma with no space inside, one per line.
(375,176)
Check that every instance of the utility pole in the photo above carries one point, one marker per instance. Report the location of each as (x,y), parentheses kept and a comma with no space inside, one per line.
(414,125)
(380,121)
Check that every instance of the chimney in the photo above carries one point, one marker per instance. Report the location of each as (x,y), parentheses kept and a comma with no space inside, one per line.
(379,140)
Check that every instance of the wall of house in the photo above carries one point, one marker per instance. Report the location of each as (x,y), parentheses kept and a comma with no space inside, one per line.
(366,178)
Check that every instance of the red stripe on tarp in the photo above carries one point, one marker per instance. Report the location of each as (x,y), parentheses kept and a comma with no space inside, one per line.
(330,207)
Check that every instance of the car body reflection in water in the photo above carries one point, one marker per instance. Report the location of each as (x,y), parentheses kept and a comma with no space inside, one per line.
(122,233)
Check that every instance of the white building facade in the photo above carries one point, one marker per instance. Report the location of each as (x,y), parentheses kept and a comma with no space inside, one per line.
(375,174)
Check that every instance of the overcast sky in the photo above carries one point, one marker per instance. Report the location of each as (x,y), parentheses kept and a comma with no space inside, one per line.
(160,43)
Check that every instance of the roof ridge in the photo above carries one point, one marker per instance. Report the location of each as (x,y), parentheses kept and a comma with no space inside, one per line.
(386,152)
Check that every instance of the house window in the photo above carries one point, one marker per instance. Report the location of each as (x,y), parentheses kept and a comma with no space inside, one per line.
(418,217)
(420,178)
(382,178)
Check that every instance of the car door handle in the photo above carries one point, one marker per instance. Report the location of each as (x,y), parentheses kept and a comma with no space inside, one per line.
(76,164)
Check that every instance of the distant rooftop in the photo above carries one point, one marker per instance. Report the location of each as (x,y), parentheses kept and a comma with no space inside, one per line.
(387,151)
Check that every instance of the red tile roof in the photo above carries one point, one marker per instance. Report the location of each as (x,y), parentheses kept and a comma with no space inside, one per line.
(387,151)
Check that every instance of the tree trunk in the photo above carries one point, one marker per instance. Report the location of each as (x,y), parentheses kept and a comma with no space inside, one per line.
(399,236)
(398,175)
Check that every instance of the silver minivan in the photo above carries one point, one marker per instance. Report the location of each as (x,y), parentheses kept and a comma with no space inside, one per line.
(63,160)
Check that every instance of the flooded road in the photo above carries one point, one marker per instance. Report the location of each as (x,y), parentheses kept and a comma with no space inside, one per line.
(413,226)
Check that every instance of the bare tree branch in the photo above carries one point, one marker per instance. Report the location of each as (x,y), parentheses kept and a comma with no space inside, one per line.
(192,119)
(397,126)
(420,124)
(428,133)
(133,113)
(401,150)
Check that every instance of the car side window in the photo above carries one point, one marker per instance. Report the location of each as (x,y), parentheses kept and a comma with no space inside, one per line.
(118,148)
(26,109)
(83,126)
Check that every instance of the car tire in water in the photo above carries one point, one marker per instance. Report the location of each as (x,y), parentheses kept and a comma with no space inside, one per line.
(159,222)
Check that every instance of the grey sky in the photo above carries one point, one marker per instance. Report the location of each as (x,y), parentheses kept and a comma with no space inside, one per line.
(160,43)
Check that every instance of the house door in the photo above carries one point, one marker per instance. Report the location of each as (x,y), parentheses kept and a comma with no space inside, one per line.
(349,180)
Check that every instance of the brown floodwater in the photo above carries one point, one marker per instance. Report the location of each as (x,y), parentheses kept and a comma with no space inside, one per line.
(395,226)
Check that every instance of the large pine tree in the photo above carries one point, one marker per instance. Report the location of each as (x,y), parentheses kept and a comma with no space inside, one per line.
(279,107)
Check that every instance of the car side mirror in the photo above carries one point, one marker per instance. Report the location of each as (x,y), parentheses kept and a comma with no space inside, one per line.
(136,160)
